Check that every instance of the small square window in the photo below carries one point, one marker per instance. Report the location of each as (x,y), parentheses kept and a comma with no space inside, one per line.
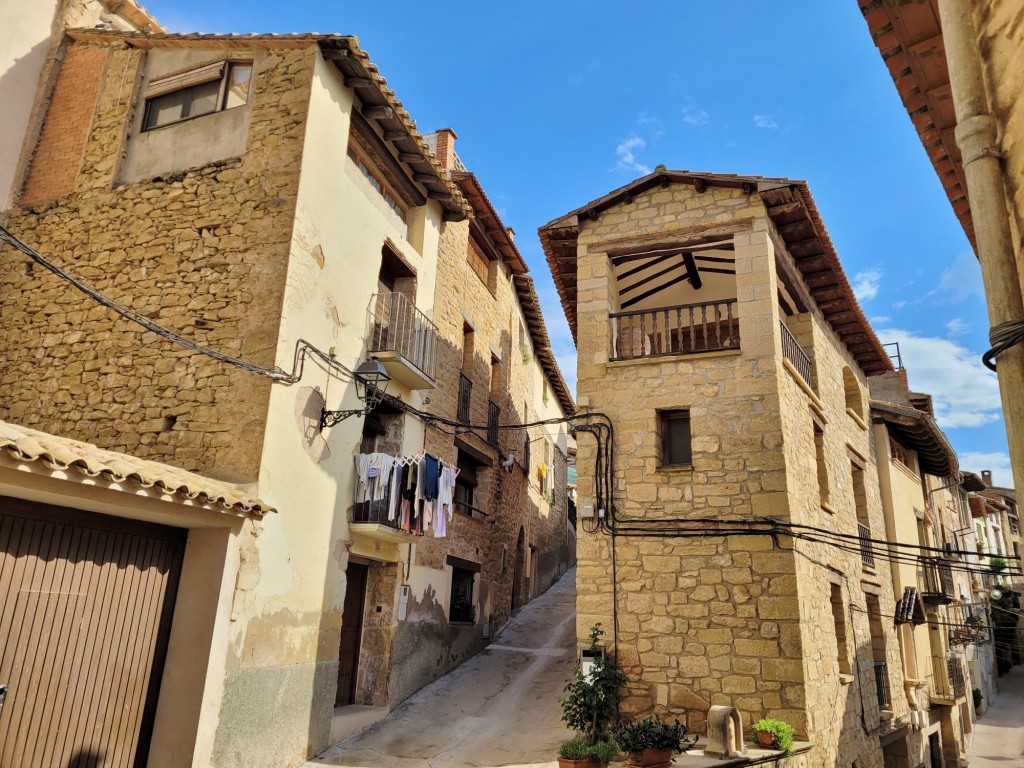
(674,431)
(461,607)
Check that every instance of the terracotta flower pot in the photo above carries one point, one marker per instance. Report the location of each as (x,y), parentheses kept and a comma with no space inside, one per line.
(565,762)
(651,758)
(766,739)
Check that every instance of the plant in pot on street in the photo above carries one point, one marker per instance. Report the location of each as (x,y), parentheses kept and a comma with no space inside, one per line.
(775,734)
(650,742)
(978,697)
(591,701)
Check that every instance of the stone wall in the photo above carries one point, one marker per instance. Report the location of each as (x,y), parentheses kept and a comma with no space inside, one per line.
(202,252)
(744,621)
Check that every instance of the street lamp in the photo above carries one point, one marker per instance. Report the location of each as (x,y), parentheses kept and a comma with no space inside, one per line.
(371,380)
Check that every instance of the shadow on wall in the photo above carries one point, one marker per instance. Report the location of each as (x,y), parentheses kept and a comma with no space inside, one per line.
(17,82)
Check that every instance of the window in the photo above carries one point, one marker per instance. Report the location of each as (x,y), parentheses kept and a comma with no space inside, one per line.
(202,91)
(479,263)
(467,349)
(495,375)
(819,454)
(466,483)
(901,455)
(461,607)
(674,432)
(839,622)
(854,399)
(376,181)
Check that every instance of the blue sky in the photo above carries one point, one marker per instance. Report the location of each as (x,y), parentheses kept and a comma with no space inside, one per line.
(558,103)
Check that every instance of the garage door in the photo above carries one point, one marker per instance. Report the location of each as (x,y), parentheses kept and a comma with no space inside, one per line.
(85,611)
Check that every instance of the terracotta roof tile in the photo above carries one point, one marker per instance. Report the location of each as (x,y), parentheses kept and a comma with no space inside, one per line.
(62,454)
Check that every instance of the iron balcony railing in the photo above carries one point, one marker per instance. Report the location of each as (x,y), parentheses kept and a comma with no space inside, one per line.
(465,398)
(956,677)
(938,582)
(377,511)
(679,330)
(866,555)
(493,418)
(792,351)
(882,684)
(398,326)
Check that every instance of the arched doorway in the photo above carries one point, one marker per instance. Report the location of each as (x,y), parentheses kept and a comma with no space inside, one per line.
(517,572)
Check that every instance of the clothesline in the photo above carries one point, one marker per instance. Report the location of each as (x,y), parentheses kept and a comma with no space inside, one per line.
(415,492)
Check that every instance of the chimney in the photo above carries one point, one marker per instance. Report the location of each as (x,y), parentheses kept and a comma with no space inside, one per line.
(511,233)
(986,477)
(445,147)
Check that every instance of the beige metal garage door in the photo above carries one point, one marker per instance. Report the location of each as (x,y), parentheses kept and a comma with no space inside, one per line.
(85,611)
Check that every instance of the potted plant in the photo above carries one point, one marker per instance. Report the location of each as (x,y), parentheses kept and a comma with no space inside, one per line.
(590,704)
(651,743)
(997,564)
(978,698)
(774,734)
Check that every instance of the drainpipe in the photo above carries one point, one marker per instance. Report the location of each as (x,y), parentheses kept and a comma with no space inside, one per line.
(976,135)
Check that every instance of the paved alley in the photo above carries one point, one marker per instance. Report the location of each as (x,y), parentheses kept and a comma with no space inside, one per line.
(999,735)
(498,709)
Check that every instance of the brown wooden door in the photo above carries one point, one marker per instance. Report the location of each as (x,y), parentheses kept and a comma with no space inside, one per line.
(351,633)
(85,612)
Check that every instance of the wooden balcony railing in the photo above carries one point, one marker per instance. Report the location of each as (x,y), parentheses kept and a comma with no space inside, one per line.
(956,677)
(679,330)
(792,351)
(465,398)
(399,327)
(493,419)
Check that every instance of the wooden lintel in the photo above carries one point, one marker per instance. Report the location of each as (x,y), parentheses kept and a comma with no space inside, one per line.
(352,81)
(783,208)
(788,274)
(378,113)
(712,242)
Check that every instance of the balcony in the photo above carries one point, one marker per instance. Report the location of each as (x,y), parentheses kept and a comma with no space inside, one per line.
(493,419)
(956,678)
(680,330)
(882,684)
(792,351)
(938,578)
(404,340)
(374,535)
(465,398)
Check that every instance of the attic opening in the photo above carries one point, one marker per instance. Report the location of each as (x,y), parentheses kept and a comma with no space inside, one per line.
(674,298)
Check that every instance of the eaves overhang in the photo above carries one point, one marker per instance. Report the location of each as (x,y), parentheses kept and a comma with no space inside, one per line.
(919,432)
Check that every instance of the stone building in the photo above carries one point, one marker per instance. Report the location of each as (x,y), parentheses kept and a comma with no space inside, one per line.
(267,200)
(940,623)
(725,553)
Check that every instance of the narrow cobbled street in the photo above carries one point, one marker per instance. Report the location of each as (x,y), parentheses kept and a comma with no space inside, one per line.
(498,709)
(999,735)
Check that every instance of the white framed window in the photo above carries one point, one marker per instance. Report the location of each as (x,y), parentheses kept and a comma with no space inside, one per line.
(199,92)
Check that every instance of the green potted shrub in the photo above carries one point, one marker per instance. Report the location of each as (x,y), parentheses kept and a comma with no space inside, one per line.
(650,743)
(774,734)
(590,704)
(978,698)
(997,564)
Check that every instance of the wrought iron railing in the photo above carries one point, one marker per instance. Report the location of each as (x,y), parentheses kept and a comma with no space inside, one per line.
(493,418)
(465,398)
(468,509)
(956,677)
(867,556)
(882,684)
(378,511)
(398,326)
(792,351)
(938,581)
(678,330)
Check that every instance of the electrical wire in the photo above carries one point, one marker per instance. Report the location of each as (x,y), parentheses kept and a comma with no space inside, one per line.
(1002,337)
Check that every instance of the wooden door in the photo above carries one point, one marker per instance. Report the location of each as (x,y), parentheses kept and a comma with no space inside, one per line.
(85,612)
(517,572)
(351,633)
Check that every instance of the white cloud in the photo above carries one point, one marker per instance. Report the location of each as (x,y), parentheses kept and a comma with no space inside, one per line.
(960,281)
(695,116)
(880,320)
(765,121)
(899,304)
(965,392)
(957,327)
(644,119)
(865,284)
(626,152)
(998,462)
